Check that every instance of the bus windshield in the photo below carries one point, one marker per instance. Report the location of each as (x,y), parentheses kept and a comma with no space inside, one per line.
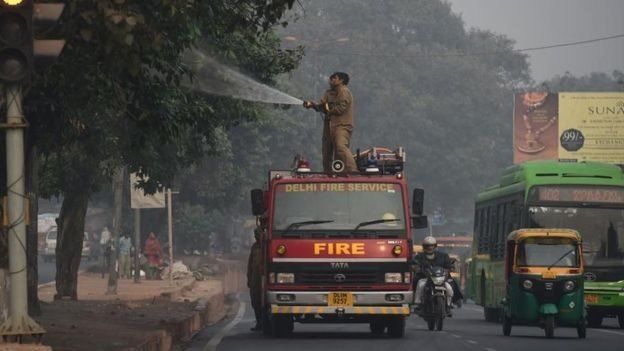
(546,252)
(602,230)
(346,207)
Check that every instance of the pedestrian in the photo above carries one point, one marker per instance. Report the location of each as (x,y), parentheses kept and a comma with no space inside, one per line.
(125,250)
(337,107)
(154,253)
(254,280)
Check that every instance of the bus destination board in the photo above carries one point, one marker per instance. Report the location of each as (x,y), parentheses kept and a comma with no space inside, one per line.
(593,194)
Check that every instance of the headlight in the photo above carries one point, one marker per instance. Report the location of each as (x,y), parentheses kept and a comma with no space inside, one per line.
(438,280)
(285,278)
(393,278)
(397,250)
(407,278)
(527,284)
(281,250)
(569,285)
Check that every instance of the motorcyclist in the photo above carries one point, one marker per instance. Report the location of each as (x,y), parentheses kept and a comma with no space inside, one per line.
(430,257)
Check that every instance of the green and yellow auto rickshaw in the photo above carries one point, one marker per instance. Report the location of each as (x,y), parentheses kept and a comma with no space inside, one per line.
(544,280)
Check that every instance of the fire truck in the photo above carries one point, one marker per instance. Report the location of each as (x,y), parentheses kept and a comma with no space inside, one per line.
(337,247)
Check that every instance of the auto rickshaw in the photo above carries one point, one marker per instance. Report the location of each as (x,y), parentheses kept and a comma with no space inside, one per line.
(544,280)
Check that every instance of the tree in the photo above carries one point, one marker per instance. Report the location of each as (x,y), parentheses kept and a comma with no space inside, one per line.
(127,106)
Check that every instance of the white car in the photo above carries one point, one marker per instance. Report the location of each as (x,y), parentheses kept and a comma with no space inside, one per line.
(49,249)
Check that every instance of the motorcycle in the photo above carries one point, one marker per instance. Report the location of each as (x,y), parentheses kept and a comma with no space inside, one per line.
(434,307)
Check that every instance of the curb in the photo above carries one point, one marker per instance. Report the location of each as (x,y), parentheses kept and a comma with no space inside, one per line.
(208,311)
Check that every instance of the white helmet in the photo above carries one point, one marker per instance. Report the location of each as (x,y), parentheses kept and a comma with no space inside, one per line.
(429,244)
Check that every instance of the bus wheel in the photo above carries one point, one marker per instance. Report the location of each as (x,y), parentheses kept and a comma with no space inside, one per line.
(549,326)
(594,320)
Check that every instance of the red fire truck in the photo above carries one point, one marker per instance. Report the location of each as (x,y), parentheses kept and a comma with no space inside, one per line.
(337,247)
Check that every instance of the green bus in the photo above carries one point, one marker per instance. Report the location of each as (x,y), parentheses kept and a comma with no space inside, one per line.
(585,196)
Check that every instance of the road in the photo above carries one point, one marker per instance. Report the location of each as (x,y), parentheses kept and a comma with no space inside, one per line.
(465,331)
(47,270)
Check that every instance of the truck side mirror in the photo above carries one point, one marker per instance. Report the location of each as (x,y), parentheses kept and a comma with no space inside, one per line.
(419,222)
(257,202)
(418,198)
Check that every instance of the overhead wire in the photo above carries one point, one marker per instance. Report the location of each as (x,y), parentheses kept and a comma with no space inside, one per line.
(463,54)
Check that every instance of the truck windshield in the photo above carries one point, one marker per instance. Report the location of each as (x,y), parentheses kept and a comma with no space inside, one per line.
(339,207)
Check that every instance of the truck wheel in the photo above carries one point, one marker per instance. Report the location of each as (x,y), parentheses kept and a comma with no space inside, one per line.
(396,327)
(549,326)
(594,320)
(377,327)
(282,326)
(266,323)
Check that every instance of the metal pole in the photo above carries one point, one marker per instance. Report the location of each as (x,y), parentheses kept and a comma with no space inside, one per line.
(137,245)
(170,235)
(19,323)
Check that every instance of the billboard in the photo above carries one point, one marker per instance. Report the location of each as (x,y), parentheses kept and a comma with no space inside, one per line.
(569,126)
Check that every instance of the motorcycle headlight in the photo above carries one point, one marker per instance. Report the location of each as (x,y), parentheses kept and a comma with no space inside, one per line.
(285,278)
(438,280)
(569,285)
(393,278)
(527,284)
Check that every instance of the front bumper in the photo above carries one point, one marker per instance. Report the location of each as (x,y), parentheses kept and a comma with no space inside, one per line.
(364,303)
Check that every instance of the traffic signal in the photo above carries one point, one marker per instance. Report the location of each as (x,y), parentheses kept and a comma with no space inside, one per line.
(16,40)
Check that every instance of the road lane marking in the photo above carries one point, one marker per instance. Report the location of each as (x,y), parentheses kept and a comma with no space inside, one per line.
(471,342)
(489,349)
(216,339)
(608,331)
(455,336)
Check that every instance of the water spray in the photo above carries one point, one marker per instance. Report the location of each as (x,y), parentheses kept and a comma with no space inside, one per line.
(214,78)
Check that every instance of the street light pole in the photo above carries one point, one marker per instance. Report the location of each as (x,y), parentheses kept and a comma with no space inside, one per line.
(19,323)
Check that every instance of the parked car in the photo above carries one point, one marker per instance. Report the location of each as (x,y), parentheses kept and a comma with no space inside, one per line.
(49,249)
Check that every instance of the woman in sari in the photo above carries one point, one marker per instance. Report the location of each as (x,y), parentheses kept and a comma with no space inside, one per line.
(153,252)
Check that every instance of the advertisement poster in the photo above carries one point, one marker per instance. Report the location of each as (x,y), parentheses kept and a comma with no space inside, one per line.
(591,127)
(569,127)
(535,126)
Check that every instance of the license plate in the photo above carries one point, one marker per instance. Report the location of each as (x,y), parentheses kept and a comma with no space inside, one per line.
(340,299)
(590,298)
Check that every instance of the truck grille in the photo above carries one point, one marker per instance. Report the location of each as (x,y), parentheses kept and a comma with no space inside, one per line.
(339,278)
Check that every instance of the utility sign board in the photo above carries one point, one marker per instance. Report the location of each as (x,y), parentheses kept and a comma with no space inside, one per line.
(138,199)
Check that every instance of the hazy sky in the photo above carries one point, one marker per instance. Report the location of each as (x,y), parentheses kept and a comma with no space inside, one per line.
(534,23)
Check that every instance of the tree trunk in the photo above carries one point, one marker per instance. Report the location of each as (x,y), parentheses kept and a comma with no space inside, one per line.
(70,229)
(32,186)
(118,186)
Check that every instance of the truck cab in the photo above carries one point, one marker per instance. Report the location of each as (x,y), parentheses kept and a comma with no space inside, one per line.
(337,248)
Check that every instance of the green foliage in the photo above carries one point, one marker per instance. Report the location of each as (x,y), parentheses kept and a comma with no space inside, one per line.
(592,82)
(195,227)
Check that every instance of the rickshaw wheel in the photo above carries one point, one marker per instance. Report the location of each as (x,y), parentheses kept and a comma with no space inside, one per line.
(581,330)
(549,326)
(506,325)
(621,320)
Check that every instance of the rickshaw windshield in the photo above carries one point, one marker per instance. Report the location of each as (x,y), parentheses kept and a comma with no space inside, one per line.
(547,252)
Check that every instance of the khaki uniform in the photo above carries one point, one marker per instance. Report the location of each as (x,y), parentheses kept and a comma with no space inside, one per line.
(337,128)
(254,279)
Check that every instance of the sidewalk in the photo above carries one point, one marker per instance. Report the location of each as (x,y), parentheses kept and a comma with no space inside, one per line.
(150,315)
